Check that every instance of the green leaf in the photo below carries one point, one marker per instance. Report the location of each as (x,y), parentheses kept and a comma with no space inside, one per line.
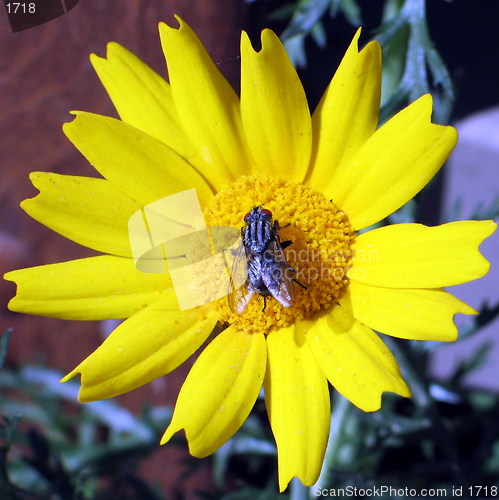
(350,10)
(424,71)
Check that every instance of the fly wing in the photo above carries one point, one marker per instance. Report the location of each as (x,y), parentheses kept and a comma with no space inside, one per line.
(239,299)
(239,293)
(277,275)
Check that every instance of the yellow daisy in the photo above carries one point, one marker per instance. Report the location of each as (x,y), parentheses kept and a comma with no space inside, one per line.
(324,176)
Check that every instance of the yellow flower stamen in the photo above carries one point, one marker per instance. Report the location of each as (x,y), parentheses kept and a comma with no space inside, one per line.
(320,253)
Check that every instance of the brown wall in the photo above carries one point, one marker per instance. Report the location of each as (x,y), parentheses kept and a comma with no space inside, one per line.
(45,73)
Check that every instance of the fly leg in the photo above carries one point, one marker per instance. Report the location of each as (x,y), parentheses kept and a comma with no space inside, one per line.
(300,284)
(264,303)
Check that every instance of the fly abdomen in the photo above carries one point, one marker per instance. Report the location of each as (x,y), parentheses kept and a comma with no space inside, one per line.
(255,280)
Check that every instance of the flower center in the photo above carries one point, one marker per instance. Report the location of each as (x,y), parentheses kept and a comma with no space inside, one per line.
(320,252)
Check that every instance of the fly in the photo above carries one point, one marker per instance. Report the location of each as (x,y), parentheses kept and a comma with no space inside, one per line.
(262,259)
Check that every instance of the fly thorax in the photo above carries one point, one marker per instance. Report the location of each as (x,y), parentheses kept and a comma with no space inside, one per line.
(257,235)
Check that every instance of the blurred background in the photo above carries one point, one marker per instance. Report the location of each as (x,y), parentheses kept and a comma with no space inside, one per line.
(54,448)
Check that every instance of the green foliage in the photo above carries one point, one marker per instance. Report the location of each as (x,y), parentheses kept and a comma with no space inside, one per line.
(306,20)
(412,66)
(53,448)
(486,212)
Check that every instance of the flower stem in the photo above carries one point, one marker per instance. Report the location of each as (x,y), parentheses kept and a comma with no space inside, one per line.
(339,415)
(298,490)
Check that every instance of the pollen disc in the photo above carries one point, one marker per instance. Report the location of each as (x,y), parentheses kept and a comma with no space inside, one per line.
(320,253)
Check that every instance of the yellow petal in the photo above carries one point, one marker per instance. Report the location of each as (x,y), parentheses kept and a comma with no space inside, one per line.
(207,105)
(408,313)
(219,391)
(142,97)
(274,109)
(393,165)
(297,399)
(418,256)
(354,359)
(104,287)
(347,114)
(92,212)
(148,345)
(139,165)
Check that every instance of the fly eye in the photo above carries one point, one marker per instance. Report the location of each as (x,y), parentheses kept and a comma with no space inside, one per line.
(246,217)
(265,211)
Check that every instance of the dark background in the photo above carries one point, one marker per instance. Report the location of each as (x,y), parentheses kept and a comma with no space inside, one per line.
(45,73)
(465,32)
